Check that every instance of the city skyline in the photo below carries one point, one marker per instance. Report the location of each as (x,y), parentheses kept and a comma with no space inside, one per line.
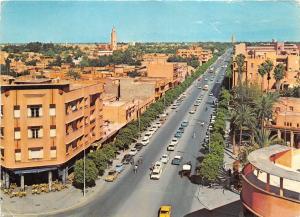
(147,21)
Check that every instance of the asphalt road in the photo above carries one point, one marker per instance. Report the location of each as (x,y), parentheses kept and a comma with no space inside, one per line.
(135,195)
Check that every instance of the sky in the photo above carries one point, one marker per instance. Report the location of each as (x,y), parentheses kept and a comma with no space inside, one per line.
(149,21)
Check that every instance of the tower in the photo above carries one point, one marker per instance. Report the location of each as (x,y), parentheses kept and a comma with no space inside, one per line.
(233,39)
(113,39)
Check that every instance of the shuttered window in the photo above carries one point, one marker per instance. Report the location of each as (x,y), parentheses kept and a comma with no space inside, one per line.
(35,153)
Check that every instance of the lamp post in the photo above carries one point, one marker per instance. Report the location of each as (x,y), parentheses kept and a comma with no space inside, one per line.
(83,171)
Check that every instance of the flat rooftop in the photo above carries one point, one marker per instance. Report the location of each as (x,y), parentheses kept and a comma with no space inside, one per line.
(261,159)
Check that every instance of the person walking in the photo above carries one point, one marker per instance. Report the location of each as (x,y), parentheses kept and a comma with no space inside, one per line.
(135,168)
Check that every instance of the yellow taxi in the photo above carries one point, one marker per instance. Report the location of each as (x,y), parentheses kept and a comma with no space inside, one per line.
(112,176)
(165,211)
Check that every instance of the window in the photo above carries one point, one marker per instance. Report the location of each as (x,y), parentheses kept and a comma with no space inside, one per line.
(52,110)
(1,110)
(17,112)
(35,153)
(291,108)
(53,152)
(35,111)
(35,132)
(17,133)
(17,155)
(2,132)
(52,131)
(252,65)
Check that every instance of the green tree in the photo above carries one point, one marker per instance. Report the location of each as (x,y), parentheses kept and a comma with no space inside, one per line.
(278,74)
(268,64)
(240,62)
(100,160)
(73,74)
(210,166)
(243,117)
(91,173)
(262,72)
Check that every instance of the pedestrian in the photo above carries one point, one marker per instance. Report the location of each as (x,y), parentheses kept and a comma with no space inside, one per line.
(135,168)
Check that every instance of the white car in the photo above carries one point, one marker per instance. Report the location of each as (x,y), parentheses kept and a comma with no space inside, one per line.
(174,141)
(158,124)
(152,131)
(154,127)
(171,147)
(133,151)
(211,94)
(164,158)
(148,134)
(145,141)
(192,112)
(156,170)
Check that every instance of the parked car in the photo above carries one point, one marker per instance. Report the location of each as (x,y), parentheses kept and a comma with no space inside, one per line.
(145,141)
(181,129)
(171,147)
(178,135)
(196,104)
(211,94)
(148,134)
(138,146)
(158,124)
(120,167)
(152,131)
(184,123)
(164,158)
(199,87)
(133,151)
(165,211)
(177,160)
(174,141)
(112,176)
(127,158)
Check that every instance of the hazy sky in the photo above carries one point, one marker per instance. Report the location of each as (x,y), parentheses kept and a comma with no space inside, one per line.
(91,21)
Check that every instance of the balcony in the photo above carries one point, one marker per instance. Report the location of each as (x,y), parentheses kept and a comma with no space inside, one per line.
(74,115)
(73,135)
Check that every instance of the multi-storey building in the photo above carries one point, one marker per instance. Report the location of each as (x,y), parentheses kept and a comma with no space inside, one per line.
(45,124)
(286,120)
(287,54)
(271,182)
(203,55)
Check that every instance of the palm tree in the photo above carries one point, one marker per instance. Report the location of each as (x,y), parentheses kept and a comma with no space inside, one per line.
(279,73)
(268,64)
(240,61)
(243,117)
(263,107)
(263,138)
(262,72)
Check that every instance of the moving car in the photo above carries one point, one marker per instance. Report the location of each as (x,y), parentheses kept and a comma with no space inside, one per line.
(145,141)
(127,158)
(199,87)
(138,146)
(165,211)
(171,147)
(119,167)
(211,94)
(133,151)
(164,158)
(157,170)
(192,111)
(205,87)
(176,160)
(112,176)
(196,104)
(184,123)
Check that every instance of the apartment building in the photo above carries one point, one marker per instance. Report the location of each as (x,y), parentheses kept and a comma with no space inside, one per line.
(286,120)
(277,52)
(271,182)
(203,55)
(45,124)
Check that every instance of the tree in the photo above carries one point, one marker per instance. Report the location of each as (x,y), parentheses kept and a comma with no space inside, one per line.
(73,74)
(210,167)
(264,139)
(100,160)
(278,74)
(243,116)
(240,61)
(91,173)
(268,64)
(262,72)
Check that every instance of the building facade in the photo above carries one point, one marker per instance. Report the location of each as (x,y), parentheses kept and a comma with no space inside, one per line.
(203,55)
(287,54)
(45,124)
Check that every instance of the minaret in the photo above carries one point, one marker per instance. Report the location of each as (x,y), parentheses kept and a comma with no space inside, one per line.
(113,39)
(233,39)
